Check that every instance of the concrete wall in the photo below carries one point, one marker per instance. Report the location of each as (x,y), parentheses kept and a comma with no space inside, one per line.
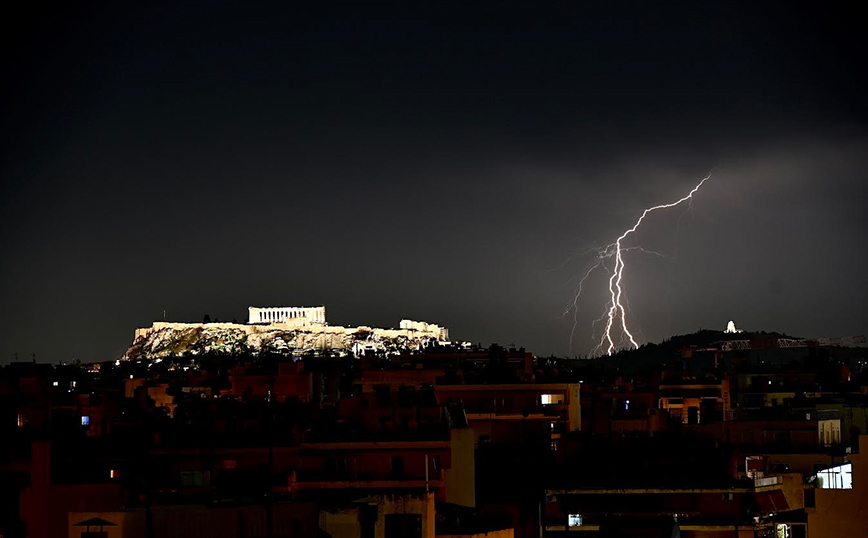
(346,522)
(804,463)
(574,402)
(44,506)
(162,398)
(129,524)
(297,520)
(341,523)
(461,476)
(407,504)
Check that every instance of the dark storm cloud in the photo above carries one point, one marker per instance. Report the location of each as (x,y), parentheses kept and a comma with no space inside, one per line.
(772,241)
(432,161)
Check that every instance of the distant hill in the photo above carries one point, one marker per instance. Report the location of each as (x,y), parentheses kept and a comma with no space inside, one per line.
(669,350)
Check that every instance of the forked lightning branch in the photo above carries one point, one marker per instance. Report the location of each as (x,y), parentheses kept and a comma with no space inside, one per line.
(615,314)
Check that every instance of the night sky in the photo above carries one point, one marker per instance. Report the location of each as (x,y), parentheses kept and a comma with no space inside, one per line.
(440,161)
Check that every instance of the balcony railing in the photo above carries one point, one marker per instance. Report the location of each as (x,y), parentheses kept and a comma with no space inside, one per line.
(767,481)
(778,413)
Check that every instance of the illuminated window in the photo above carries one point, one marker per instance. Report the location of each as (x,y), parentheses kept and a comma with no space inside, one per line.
(754,466)
(550,399)
(840,477)
(85,420)
(193,479)
(626,405)
(114,473)
(56,383)
(574,520)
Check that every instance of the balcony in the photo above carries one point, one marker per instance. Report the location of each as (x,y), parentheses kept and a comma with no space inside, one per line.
(779,413)
(367,480)
(767,481)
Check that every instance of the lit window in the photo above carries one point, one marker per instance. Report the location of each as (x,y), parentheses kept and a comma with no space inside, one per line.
(85,420)
(114,473)
(840,477)
(626,405)
(549,399)
(574,520)
(554,446)
(192,479)
(56,383)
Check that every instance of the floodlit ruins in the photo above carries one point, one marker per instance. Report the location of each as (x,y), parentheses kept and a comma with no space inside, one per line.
(283,314)
(280,330)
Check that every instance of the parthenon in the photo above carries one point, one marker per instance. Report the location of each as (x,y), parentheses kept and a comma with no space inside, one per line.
(282,314)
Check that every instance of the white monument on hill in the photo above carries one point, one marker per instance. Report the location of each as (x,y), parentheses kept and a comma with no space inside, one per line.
(303,315)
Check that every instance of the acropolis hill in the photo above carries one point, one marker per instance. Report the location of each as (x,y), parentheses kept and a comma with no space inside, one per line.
(281,331)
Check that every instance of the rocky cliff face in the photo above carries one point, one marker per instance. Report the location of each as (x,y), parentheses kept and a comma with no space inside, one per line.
(201,339)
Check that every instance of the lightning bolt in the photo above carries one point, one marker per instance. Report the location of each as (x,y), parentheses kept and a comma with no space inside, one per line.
(615,310)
